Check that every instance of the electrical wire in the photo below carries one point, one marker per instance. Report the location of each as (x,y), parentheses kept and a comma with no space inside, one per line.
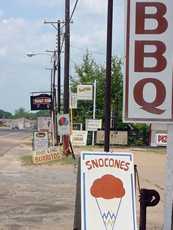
(74,8)
(73,11)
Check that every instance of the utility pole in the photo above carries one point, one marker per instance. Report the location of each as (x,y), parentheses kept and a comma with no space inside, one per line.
(56,68)
(59,66)
(108,76)
(67,57)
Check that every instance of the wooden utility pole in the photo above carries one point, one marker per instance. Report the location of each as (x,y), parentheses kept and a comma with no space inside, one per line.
(59,66)
(67,57)
(108,76)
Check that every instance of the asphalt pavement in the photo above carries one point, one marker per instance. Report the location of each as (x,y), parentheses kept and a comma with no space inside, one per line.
(15,136)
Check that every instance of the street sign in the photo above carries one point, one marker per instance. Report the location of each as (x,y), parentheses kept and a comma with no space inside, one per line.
(63,122)
(93,124)
(85,92)
(149,55)
(107,191)
(41,102)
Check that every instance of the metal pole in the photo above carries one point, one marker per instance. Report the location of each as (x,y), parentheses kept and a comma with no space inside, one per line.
(94,109)
(108,76)
(67,56)
(59,67)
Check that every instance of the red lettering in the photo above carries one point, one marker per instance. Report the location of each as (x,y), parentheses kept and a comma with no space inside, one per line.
(159,99)
(94,163)
(106,162)
(101,163)
(127,166)
(140,56)
(141,15)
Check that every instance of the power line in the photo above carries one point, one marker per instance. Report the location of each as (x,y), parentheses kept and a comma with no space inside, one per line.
(74,8)
(73,11)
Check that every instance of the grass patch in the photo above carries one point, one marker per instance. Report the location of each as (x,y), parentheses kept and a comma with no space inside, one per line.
(26,160)
(68,160)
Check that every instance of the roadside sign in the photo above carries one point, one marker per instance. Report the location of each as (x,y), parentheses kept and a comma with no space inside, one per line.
(85,92)
(41,141)
(161,139)
(79,138)
(149,55)
(107,191)
(41,102)
(93,124)
(44,124)
(41,157)
(63,122)
(73,100)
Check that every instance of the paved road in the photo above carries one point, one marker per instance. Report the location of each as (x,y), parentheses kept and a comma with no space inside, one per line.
(15,138)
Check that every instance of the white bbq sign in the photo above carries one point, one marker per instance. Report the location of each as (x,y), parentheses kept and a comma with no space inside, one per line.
(107,191)
(149,61)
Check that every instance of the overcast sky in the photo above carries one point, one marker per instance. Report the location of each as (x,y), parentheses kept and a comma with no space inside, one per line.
(23,31)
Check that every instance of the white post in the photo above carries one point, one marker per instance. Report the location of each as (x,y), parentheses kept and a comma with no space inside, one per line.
(169,182)
(53,134)
(94,109)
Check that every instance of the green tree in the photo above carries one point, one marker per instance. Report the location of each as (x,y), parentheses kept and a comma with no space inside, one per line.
(89,71)
(4,114)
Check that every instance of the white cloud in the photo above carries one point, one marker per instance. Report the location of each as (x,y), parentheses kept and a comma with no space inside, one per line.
(41,3)
(94,6)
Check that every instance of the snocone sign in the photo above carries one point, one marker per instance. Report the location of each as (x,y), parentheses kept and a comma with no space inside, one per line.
(107,191)
(149,61)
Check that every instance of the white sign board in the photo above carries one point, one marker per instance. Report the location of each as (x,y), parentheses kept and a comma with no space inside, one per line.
(63,122)
(73,100)
(93,124)
(79,138)
(40,141)
(44,124)
(161,139)
(149,58)
(108,191)
(85,92)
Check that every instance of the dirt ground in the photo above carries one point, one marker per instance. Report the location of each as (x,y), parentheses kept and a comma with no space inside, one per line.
(43,197)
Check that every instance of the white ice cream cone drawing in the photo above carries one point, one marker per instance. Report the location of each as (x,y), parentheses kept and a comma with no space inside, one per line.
(108,192)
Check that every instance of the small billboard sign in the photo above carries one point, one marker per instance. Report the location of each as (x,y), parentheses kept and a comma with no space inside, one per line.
(41,157)
(107,191)
(79,138)
(41,141)
(93,124)
(63,122)
(41,102)
(44,124)
(85,92)
(161,139)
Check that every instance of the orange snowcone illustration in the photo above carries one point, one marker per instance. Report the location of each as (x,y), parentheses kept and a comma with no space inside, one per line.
(108,189)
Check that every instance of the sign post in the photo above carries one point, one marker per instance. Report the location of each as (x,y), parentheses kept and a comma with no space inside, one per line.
(94,109)
(149,78)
